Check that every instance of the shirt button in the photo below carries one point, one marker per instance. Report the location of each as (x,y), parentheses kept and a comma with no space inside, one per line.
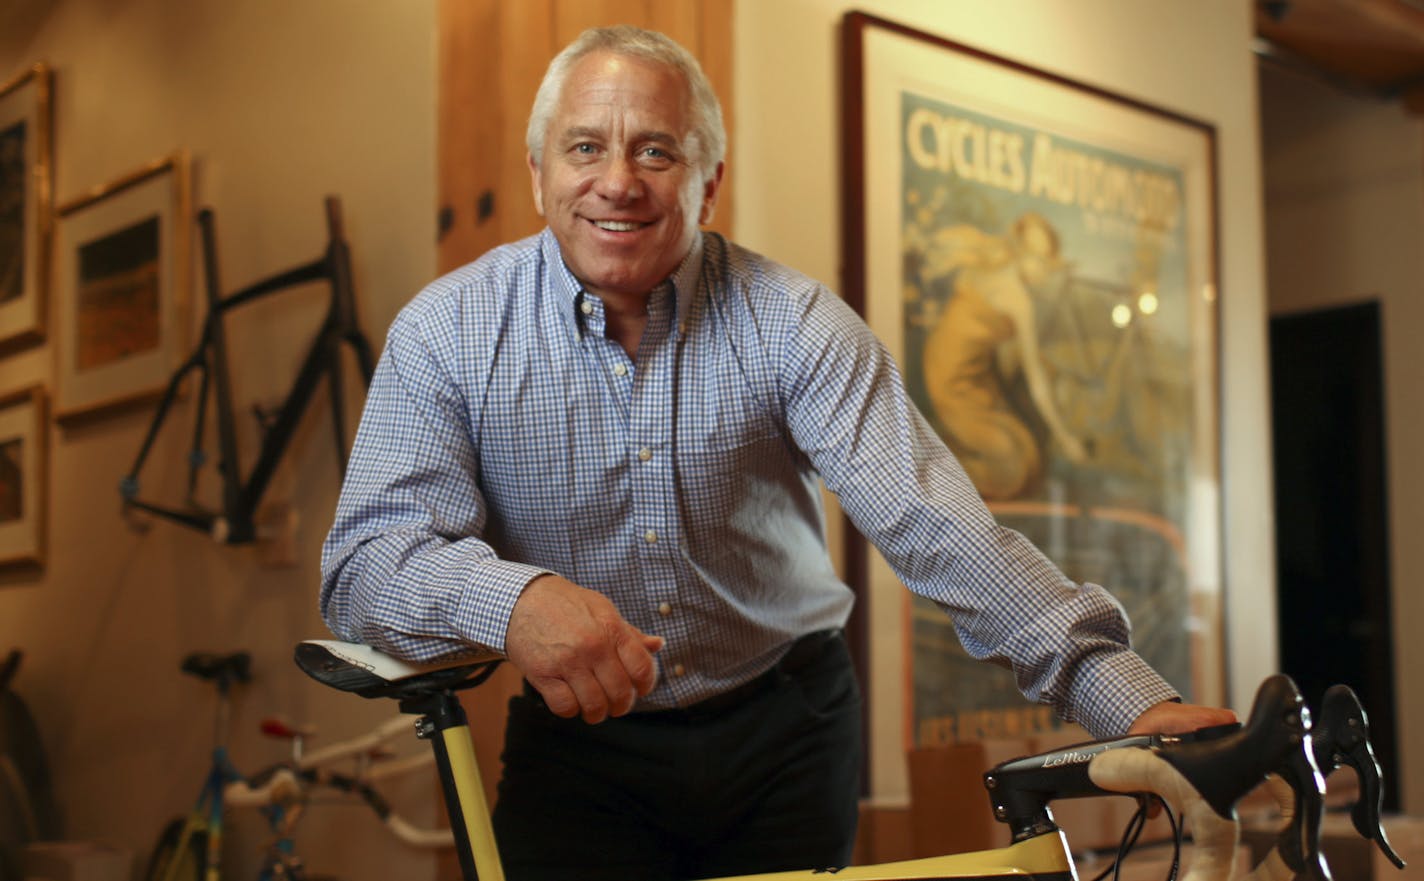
(679,670)
(586,307)
(650,536)
(664,608)
(620,370)
(645,454)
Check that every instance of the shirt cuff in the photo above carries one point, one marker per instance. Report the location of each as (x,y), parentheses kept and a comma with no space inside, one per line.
(499,586)
(1113,689)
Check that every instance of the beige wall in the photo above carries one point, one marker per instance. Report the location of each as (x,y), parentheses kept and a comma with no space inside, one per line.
(1344,206)
(280,103)
(1193,58)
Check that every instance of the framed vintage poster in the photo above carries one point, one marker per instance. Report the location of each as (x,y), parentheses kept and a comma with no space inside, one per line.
(25,167)
(122,284)
(24,456)
(1040,257)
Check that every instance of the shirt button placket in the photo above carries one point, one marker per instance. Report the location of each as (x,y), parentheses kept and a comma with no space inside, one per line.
(654,524)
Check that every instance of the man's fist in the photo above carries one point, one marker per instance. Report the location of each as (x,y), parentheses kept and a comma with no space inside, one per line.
(578,652)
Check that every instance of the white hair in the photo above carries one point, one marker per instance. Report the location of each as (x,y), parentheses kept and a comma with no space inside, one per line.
(708,133)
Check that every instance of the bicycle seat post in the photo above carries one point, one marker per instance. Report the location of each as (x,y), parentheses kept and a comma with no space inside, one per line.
(443,722)
(222,671)
(223,530)
(221,713)
(430,694)
(338,256)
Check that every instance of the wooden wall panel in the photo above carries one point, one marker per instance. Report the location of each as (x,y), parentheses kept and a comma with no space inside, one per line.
(573,17)
(467,156)
(715,55)
(527,41)
(681,21)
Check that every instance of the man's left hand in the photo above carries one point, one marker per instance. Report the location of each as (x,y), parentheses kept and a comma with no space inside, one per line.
(1171,717)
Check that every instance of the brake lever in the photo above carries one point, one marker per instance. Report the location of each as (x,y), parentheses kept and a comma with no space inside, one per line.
(1342,737)
(1299,842)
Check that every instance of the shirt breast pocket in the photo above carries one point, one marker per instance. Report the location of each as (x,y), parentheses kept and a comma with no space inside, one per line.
(731,480)
(728,415)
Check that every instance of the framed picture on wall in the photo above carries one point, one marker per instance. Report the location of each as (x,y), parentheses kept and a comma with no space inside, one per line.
(122,287)
(24,456)
(25,206)
(1040,256)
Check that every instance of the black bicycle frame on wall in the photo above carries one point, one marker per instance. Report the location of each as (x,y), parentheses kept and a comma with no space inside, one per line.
(235,522)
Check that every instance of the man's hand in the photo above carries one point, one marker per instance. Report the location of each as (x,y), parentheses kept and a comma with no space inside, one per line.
(578,652)
(1170,717)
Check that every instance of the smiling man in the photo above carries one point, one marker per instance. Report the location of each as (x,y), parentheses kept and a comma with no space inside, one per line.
(599,451)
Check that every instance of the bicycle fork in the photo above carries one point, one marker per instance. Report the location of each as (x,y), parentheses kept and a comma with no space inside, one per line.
(443,722)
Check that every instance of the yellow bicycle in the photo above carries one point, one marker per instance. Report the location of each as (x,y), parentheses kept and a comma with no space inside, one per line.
(1201,776)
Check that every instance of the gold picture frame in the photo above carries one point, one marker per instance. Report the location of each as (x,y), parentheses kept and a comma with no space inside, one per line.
(26,163)
(1040,256)
(122,288)
(24,478)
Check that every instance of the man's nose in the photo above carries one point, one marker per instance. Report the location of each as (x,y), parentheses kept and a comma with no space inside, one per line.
(620,180)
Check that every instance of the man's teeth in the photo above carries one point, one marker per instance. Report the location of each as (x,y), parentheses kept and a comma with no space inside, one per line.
(617,225)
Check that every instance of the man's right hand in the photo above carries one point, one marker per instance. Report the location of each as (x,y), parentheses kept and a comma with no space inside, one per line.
(578,652)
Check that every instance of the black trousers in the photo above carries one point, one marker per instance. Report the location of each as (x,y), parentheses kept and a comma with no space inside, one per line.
(766,780)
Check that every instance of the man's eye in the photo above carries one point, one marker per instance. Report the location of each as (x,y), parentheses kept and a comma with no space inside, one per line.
(585,149)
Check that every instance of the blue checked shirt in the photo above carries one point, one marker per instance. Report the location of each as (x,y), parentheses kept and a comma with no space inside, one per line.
(506,436)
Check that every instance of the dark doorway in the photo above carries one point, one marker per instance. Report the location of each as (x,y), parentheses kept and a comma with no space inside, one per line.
(1332,528)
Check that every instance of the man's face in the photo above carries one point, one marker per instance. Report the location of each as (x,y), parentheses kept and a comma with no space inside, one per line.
(617,181)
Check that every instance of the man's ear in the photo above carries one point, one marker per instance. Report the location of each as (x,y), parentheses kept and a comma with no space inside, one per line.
(710,188)
(536,183)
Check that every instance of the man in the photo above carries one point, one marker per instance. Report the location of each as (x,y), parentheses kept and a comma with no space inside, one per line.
(597,451)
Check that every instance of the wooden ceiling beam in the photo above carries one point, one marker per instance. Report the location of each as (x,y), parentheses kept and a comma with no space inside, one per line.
(1370,46)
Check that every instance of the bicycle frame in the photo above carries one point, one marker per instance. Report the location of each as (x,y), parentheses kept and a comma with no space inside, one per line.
(443,721)
(1203,773)
(309,773)
(223,787)
(206,816)
(235,523)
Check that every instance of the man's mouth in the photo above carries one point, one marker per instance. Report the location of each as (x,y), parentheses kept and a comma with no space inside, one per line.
(619,225)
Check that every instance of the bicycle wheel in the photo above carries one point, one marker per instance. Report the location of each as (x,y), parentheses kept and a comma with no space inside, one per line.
(167,864)
(14,828)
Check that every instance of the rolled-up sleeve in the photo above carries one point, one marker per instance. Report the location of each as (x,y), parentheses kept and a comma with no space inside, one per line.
(405,566)
(1067,644)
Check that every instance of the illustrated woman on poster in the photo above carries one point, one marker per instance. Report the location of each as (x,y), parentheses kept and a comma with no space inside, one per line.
(985,336)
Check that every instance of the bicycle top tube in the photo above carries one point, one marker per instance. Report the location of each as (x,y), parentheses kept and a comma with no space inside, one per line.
(1042,858)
